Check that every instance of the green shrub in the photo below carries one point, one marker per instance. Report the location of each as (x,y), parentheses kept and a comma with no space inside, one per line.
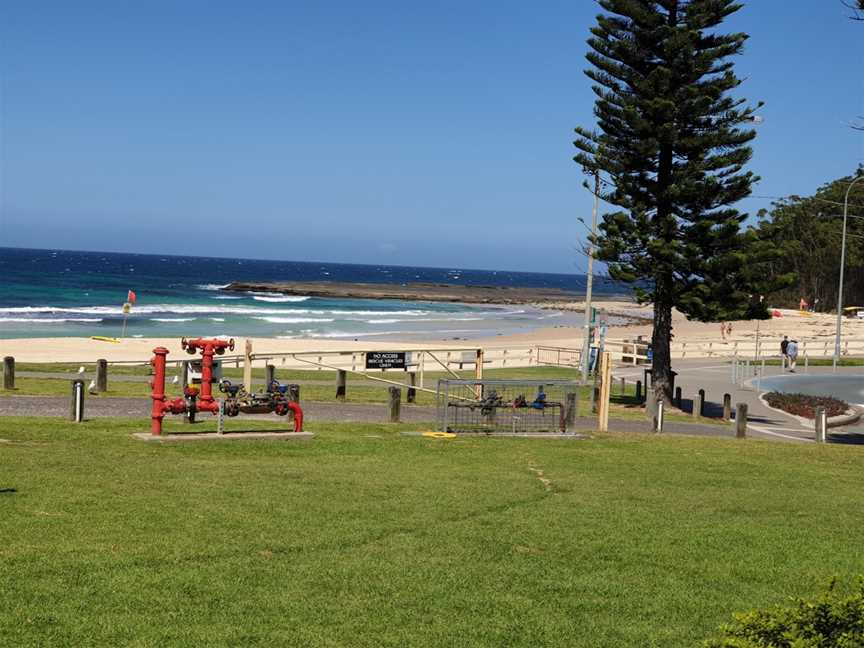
(804,405)
(831,620)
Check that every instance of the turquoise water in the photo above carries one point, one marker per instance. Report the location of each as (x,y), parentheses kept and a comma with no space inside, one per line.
(56,293)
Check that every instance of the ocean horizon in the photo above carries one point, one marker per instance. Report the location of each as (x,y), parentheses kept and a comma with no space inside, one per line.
(65,293)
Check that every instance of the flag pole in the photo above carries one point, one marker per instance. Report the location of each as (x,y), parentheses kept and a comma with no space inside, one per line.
(127,308)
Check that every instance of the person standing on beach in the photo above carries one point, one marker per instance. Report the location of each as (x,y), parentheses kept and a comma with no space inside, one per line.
(792,354)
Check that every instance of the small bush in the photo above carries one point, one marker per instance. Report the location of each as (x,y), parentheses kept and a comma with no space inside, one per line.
(804,405)
(831,620)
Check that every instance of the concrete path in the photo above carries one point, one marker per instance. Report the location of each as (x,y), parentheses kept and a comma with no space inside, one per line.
(94,407)
(715,377)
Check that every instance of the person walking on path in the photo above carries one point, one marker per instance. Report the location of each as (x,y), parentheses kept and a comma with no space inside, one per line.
(784,345)
(792,354)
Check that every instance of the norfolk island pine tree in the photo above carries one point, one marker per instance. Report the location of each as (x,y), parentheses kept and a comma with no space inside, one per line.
(672,144)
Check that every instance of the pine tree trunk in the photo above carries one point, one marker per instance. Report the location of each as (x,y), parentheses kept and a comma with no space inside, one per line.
(661,364)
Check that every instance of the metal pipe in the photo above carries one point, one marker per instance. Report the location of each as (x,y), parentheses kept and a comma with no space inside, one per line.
(157,413)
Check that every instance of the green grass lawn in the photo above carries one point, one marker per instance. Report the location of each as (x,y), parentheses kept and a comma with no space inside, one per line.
(363,537)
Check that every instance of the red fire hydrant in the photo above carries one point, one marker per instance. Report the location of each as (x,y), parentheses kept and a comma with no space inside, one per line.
(205,401)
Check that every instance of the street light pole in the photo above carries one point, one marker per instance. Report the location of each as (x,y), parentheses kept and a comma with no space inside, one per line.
(842,268)
(586,339)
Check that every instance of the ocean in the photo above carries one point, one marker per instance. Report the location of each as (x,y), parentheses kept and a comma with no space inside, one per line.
(62,293)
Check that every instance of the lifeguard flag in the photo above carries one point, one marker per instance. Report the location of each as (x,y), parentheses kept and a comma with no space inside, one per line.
(131,297)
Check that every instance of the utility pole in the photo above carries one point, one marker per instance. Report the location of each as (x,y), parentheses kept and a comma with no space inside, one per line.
(586,341)
(842,268)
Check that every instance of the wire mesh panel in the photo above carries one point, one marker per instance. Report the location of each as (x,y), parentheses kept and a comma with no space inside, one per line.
(505,406)
(559,356)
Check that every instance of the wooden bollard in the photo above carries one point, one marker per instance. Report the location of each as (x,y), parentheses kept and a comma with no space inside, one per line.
(184,374)
(571,403)
(395,404)
(8,372)
(269,375)
(101,375)
(411,396)
(741,420)
(294,393)
(678,397)
(623,386)
(727,407)
(639,391)
(595,399)
(76,409)
(341,384)
(697,404)
(701,402)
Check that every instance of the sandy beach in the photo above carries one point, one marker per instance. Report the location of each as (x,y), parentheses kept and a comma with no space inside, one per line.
(816,329)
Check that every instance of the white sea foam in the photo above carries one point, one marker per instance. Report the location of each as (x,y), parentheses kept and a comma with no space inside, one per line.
(295,320)
(217,319)
(419,319)
(279,298)
(225,297)
(349,334)
(173,319)
(211,286)
(22,320)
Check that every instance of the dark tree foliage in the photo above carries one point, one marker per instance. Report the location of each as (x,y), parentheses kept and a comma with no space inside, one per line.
(673,142)
(807,230)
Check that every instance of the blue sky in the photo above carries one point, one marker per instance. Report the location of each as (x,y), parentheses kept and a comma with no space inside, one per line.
(432,134)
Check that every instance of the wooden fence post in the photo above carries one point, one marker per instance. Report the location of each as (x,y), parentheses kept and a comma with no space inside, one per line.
(727,407)
(411,396)
(638,391)
(605,391)
(678,397)
(395,404)
(8,372)
(269,375)
(741,420)
(341,384)
(101,375)
(697,403)
(569,412)
(247,366)
(701,402)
